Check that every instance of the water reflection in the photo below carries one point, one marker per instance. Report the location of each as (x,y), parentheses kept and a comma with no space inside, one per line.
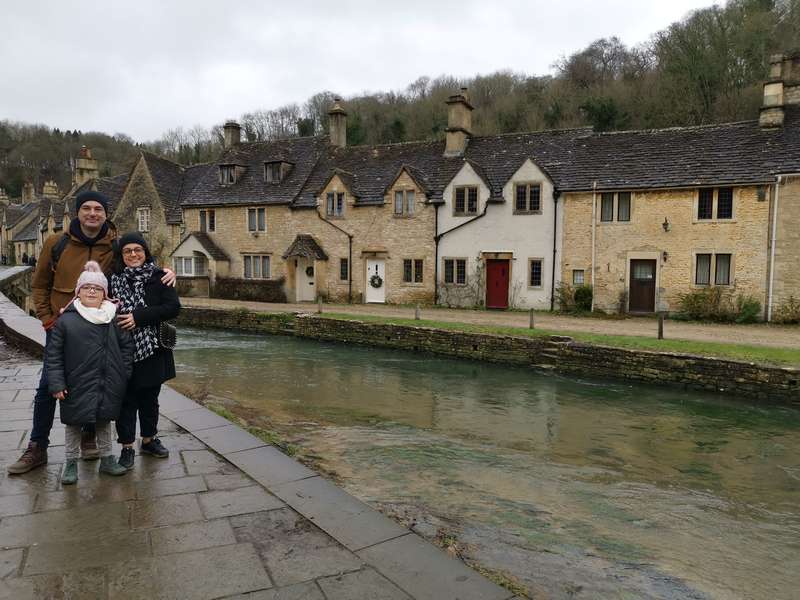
(699,493)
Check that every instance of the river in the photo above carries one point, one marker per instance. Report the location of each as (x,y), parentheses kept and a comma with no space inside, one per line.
(573,488)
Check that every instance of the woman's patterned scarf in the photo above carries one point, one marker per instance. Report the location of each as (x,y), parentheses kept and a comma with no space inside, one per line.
(128,288)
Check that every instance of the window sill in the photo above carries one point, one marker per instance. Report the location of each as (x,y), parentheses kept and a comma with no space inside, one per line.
(701,221)
(465,214)
(334,217)
(404,216)
(526,212)
(458,285)
(413,284)
(260,231)
(535,287)
(257,278)
(613,222)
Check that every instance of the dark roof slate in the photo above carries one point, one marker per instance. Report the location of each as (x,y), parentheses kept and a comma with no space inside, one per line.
(168,179)
(28,233)
(250,188)
(209,246)
(16,212)
(305,245)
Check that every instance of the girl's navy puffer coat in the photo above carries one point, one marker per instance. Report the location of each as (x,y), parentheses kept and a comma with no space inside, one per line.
(93,363)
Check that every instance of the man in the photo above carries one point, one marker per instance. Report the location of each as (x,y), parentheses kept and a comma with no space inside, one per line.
(90,237)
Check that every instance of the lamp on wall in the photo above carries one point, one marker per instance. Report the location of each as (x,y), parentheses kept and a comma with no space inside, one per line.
(666,225)
(665,255)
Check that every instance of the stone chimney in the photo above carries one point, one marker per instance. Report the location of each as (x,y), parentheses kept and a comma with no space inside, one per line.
(782,88)
(28,192)
(459,123)
(85,167)
(50,190)
(337,124)
(233,134)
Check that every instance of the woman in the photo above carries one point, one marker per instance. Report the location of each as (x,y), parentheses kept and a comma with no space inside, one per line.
(144,302)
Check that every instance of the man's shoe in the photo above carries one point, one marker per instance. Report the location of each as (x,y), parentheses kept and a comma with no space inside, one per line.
(110,466)
(89,446)
(33,457)
(70,474)
(155,448)
(126,458)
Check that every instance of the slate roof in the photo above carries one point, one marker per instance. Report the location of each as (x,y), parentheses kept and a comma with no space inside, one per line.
(208,245)
(112,188)
(251,188)
(307,246)
(374,168)
(29,233)
(168,178)
(16,212)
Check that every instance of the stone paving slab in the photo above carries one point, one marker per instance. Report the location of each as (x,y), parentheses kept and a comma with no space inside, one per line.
(230,518)
(339,514)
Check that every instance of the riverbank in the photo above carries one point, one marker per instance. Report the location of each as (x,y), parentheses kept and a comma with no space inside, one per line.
(532,348)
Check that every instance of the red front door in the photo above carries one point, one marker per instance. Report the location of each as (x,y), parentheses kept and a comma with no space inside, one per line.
(496,284)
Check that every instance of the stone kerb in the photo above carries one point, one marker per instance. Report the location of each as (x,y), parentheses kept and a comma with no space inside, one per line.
(423,571)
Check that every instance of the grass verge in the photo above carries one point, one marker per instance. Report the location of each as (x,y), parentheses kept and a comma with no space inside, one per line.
(756,354)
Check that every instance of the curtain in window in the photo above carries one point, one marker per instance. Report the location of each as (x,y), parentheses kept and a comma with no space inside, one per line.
(577,277)
(251,220)
(624,206)
(262,219)
(329,203)
(248,267)
(410,202)
(722,273)
(643,270)
(703,269)
(607,207)
(398,203)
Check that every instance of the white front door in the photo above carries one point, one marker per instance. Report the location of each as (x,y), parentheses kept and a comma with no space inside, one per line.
(376,280)
(306,290)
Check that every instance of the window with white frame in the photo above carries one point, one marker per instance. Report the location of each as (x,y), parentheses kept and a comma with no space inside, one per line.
(190,266)
(256,266)
(143,219)
(455,271)
(404,202)
(465,200)
(527,198)
(256,219)
(334,204)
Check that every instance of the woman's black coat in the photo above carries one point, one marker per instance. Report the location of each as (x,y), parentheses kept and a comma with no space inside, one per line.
(93,363)
(162,304)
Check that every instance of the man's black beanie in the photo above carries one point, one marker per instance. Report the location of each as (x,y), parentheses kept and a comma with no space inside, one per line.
(91,195)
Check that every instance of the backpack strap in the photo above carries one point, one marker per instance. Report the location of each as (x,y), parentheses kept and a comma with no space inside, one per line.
(57,250)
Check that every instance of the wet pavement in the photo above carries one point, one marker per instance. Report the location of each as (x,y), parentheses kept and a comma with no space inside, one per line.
(228,517)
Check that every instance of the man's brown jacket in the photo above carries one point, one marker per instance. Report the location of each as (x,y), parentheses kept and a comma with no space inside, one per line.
(53,289)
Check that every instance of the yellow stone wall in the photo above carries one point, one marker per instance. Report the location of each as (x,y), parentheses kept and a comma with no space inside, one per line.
(372,227)
(787,243)
(744,236)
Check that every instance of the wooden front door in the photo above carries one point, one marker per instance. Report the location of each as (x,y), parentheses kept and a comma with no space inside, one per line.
(643,286)
(497,283)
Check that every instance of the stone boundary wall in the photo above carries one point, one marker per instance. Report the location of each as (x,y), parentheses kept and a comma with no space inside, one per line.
(556,354)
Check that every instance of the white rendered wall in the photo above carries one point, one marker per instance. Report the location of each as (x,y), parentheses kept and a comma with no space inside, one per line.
(525,236)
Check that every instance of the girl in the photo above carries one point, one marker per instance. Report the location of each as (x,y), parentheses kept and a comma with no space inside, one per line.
(89,361)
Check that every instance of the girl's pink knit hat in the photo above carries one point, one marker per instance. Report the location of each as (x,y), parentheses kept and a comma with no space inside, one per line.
(92,275)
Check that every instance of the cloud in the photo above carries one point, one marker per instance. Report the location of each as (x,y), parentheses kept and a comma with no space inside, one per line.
(147,66)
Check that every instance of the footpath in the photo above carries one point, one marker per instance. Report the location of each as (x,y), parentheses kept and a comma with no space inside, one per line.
(775,336)
(225,516)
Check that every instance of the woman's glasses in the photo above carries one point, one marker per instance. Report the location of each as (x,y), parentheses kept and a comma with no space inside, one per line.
(132,251)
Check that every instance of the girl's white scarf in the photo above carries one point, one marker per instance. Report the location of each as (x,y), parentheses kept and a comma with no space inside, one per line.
(98,316)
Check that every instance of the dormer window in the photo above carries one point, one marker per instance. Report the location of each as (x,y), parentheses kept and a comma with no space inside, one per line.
(227,174)
(276,171)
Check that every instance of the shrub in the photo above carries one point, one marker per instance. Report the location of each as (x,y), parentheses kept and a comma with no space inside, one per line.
(565,297)
(583,298)
(718,305)
(748,309)
(787,312)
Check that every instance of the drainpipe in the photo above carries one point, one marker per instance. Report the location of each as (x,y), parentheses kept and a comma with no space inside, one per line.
(556,194)
(349,256)
(773,245)
(436,255)
(594,235)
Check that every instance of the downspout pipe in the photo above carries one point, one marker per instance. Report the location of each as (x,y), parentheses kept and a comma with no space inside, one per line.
(556,195)
(436,254)
(594,233)
(349,255)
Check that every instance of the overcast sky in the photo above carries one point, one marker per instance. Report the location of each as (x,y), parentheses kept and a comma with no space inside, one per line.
(143,66)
